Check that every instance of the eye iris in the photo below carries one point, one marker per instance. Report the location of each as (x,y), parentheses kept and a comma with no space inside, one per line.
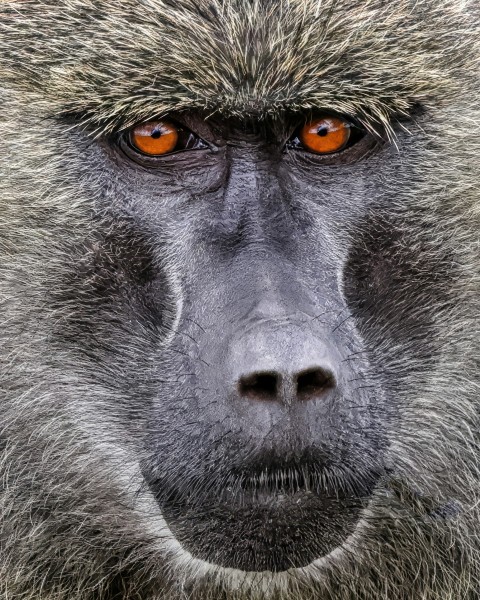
(155,137)
(325,135)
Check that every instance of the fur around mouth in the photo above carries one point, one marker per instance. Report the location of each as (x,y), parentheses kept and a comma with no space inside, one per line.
(266,522)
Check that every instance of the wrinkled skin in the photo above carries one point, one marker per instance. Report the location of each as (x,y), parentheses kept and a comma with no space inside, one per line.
(241,370)
(252,303)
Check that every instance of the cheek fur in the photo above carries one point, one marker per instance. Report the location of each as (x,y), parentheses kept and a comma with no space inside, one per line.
(397,284)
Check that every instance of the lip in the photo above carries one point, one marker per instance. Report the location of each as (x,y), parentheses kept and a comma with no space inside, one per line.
(260,525)
(276,534)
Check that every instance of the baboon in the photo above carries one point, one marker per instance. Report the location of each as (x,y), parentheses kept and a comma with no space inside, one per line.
(239,300)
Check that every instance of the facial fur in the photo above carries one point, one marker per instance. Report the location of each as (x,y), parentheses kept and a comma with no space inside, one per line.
(240,370)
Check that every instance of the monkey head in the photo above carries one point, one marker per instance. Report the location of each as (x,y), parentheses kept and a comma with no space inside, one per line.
(239,290)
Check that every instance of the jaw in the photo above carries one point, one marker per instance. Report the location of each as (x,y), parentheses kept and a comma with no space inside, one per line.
(263,528)
(275,535)
(201,578)
(267,511)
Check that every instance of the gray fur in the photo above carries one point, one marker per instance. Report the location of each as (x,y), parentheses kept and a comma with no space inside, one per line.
(77,522)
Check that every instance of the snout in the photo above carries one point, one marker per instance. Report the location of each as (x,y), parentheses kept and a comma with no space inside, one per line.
(275,428)
(278,383)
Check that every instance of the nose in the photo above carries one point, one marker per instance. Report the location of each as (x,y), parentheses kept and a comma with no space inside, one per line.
(286,387)
(283,364)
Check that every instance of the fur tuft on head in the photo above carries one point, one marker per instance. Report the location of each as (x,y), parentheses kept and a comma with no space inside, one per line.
(118,65)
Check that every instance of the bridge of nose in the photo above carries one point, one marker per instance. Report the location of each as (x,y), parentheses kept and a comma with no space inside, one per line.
(277,347)
(272,346)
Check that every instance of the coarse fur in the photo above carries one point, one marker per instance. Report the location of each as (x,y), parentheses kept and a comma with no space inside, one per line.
(77,521)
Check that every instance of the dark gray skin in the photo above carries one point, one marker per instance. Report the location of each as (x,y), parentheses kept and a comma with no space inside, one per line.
(267,417)
(262,381)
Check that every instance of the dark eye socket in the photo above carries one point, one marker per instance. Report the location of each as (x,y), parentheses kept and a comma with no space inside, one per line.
(323,135)
(326,134)
(162,137)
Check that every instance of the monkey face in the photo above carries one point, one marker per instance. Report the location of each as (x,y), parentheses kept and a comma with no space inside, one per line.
(268,277)
(261,282)
(264,381)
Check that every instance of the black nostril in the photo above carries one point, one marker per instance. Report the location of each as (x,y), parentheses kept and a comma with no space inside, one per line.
(260,386)
(313,382)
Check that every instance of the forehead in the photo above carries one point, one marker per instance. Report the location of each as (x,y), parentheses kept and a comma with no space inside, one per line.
(132,60)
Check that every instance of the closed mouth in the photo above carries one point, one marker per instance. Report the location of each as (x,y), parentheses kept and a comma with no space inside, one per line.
(266,520)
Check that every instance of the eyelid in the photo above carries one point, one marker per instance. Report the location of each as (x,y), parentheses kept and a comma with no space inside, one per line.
(186,140)
(193,141)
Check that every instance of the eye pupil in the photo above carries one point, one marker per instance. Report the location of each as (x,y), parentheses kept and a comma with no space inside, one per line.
(322,131)
(156,134)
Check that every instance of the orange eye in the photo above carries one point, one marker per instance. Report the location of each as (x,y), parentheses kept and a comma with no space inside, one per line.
(325,135)
(154,137)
